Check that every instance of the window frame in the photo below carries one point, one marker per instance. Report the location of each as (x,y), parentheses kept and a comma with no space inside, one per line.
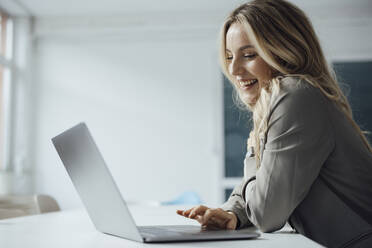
(6,88)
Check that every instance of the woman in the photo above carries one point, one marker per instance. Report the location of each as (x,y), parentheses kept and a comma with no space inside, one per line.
(308,162)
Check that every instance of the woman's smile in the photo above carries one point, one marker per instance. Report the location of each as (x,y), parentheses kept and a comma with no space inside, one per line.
(247,84)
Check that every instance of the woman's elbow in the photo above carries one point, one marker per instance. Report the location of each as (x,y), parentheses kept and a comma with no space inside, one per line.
(268,227)
(265,222)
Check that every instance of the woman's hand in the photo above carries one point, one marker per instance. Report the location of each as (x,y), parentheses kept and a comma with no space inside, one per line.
(211,218)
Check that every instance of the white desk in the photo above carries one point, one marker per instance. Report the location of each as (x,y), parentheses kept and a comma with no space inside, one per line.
(73,228)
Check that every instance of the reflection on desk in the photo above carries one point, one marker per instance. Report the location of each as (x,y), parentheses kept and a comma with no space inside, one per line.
(73,228)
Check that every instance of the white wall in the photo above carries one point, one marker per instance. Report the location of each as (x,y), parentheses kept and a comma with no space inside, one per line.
(153,106)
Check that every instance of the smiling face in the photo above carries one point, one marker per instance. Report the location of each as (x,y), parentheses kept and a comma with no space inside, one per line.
(249,70)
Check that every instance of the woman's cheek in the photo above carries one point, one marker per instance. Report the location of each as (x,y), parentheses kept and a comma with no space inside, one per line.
(252,68)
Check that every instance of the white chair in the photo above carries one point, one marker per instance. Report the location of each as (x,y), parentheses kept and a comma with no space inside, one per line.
(20,205)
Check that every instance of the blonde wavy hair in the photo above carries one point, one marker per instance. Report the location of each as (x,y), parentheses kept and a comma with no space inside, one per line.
(285,39)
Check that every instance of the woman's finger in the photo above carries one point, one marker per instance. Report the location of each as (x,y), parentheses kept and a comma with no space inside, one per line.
(180,212)
(195,210)
(184,213)
(199,210)
(210,218)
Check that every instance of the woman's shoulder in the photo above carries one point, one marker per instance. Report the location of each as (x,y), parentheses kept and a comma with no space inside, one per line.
(298,103)
(295,84)
(296,93)
(299,89)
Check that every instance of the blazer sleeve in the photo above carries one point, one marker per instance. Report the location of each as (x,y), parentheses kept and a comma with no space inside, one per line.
(236,203)
(299,140)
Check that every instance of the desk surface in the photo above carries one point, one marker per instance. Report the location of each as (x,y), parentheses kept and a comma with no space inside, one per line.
(73,228)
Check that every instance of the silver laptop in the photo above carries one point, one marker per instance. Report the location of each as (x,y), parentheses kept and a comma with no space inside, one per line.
(104,203)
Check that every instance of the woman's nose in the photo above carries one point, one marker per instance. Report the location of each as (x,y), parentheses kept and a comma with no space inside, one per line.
(235,67)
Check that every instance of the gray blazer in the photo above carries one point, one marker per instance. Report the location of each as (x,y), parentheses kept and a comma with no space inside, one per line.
(315,172)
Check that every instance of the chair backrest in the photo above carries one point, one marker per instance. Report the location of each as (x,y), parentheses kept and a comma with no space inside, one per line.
(20,205)
(46,204)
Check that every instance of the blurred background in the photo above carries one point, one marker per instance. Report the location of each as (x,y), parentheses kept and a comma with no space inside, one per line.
(144,76)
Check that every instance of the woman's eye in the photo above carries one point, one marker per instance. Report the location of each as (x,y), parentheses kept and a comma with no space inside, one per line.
(250,55)
(229,57)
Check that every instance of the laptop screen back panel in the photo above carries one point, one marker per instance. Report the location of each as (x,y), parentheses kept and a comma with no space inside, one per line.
(94,183)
